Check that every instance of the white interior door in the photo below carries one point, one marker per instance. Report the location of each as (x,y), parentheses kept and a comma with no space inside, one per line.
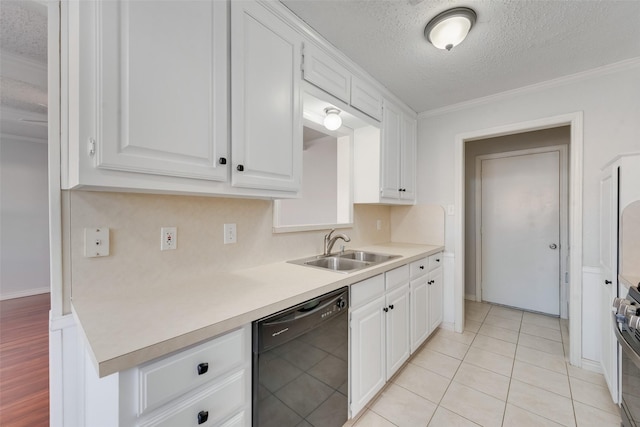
(520,218)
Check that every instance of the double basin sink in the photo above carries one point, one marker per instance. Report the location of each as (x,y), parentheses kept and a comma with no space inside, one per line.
(345,262)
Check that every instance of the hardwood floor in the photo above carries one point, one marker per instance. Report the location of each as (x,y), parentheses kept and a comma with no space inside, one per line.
(24,361)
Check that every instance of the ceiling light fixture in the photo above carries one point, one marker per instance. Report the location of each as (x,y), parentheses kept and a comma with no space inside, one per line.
(449,28)
(332,120)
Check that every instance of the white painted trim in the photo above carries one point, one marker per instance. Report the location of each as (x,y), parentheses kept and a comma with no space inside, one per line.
(591,365)
(60,323)
(24,69)
(561,81)
(563,220)
(575,216)
(445,325)
(25,293)
(592,270)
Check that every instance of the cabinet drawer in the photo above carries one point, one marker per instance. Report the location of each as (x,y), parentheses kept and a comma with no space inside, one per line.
(168,378)
(397,276)
(435,261)
(367,290)
(419,268)
(217,403)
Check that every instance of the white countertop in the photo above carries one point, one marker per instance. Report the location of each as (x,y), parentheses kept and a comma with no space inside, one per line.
(130,325)
(628,281)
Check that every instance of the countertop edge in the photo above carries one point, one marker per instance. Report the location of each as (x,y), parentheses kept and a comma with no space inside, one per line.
(109,365)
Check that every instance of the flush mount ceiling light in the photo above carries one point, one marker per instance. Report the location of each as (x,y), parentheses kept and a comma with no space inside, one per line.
(450,27)
(332,121)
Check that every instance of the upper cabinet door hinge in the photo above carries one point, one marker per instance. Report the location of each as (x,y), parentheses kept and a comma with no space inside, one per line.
(91,147)
(302,58)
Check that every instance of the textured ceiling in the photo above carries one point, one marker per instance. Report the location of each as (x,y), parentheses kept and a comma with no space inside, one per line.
(513,44)
(23,43)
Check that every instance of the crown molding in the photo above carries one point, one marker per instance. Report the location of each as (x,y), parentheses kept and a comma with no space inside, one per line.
(23,69)
(627,64)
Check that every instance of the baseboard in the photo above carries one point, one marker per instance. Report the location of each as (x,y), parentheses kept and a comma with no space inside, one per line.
(448,326)
(591,365)
(25,293)
(470,297)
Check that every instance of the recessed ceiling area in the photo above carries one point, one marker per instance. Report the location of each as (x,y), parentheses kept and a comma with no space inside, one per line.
(513,43)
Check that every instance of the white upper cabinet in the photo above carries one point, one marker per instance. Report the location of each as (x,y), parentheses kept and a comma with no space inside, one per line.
(266,112)
(385,163)
(160,87)
(325,72)
(329,74)
(366,98)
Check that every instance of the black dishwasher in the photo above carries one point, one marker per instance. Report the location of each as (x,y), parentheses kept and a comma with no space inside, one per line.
(300,364)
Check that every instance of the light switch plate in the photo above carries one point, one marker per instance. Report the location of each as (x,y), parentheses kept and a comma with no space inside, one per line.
(230,233)
(96,242)
(451,210)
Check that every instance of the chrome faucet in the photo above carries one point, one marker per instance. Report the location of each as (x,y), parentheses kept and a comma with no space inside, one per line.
(330,241)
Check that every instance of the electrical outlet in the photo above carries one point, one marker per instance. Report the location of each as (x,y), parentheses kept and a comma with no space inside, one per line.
(96,242)
(168,238)
(229,233)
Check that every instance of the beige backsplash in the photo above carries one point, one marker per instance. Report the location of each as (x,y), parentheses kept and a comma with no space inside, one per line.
(630,240)
(135,220)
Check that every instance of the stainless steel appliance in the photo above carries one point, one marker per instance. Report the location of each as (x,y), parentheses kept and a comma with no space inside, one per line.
(300,364)
(627,329)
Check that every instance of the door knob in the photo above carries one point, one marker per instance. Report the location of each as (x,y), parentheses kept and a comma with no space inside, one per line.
(553,246)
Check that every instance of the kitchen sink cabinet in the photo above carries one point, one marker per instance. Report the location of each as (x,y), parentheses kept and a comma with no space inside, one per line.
(394,175)
(379,333)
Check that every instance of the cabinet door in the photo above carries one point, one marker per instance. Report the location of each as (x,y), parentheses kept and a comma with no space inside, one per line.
(435,299)
(390,155)
(367,359)
(266,111)
(419,312)
(398,329)
(162,87)
(366,98)
(408,159)
(325,72)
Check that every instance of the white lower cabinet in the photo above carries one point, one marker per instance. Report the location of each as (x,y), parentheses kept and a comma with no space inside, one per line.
(379,333)
(392,314)
(208,384)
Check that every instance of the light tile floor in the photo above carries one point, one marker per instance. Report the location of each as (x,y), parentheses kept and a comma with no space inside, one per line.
(509,368)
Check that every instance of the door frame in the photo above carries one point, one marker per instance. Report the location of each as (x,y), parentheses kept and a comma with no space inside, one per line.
(575,121)
(563,219)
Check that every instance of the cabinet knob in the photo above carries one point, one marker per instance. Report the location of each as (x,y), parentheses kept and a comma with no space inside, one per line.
(222,161)
(203,368)
(203,416)
(391,306)
(240,168)
(607,282)
(422,267)
(437,259)
(386,309)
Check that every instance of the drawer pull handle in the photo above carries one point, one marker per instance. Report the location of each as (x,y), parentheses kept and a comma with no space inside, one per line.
(203,416)
(607,282)
(203,368)
(391,306)
(437,259)
(386,309)
(422,267)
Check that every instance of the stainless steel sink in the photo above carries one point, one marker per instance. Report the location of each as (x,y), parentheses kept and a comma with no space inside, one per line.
(367,256)
(345,262)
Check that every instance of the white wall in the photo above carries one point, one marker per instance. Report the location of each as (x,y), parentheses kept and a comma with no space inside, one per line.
(24,224)
(608,98)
